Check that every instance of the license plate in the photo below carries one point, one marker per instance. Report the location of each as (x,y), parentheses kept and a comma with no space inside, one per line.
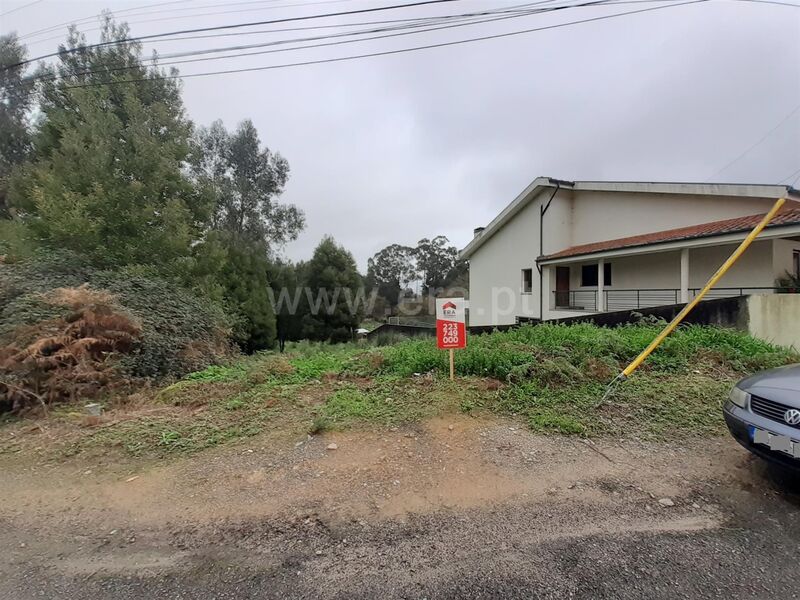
(779,443)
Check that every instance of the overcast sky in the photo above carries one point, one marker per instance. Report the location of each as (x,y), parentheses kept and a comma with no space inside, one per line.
(396,148)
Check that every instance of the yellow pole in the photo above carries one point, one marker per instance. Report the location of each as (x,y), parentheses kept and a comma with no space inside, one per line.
(711,283)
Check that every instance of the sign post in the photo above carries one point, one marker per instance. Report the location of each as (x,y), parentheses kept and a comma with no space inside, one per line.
(451,330)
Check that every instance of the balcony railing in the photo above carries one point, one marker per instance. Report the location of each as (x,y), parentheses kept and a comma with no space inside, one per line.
(633,299)
(576,300)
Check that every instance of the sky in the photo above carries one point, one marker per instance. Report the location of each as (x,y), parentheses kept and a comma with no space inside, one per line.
(392,149)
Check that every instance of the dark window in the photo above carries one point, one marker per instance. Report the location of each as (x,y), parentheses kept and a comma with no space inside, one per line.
(589,275)
(527,281)
(797,263)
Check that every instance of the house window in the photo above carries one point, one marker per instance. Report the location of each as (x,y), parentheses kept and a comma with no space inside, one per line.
(527,281)
(589,275)
(796,263)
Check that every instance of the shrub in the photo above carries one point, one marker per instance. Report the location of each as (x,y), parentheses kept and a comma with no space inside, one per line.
(54,295)
(181,332)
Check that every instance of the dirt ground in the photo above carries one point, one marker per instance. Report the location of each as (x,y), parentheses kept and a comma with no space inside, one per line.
(455,507)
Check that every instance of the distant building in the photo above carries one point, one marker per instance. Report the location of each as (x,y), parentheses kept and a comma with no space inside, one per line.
(564,249)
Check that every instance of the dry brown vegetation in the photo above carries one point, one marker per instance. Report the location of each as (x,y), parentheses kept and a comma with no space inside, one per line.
(67,357)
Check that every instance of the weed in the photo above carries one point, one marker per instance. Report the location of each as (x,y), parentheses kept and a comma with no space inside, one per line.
(218,373)
(550,376)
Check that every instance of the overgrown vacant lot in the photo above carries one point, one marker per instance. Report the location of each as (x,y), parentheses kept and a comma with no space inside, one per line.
(549,377)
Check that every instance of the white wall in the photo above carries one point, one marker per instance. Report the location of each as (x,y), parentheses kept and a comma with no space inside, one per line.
(783,253)
(753,269)
(600,216)
(495,270)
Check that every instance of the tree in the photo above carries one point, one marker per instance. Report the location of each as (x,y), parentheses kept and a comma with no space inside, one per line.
(245,182)
(390,270)
(246,284)
(333,286)
(288,300)
(107,180)
(458,276)
(435,259)
(15,104)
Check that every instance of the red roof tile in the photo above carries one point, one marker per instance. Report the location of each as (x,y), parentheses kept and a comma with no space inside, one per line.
(788,215)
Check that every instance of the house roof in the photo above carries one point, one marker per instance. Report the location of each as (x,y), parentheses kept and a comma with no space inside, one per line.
(788,215)
(541,184)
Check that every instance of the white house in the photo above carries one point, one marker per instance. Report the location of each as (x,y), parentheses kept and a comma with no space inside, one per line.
(564,248)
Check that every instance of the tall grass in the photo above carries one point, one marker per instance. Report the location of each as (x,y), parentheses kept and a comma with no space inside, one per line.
(573,350)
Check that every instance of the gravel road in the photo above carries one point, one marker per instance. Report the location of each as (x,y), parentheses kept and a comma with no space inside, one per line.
(457,509)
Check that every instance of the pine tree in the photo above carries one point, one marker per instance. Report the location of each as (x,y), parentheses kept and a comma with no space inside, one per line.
(333,284)
(107,180)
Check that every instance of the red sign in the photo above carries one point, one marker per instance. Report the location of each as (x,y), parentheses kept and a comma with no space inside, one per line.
(451,331)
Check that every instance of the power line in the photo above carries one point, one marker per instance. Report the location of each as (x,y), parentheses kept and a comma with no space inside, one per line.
(206,14)
(391,52)
(461,20)
(232,26)
(13,10)
(776,2)
(84,19)
(790,176)
(338,25)
(758,143)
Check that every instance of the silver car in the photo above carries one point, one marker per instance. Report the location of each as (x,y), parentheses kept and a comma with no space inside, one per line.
(763,414)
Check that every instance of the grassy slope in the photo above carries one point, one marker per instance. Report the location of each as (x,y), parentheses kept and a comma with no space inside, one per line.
(552,377)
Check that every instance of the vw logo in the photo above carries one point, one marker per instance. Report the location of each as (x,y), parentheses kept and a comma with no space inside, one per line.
(792,416)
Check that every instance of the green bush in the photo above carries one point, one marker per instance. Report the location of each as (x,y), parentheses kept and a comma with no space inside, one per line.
(562,353)
(181,331)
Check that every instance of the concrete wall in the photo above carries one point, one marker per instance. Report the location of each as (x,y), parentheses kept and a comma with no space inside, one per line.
(775,318)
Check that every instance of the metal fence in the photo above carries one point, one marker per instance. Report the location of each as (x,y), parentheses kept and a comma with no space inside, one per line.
(633,299)
(577,299)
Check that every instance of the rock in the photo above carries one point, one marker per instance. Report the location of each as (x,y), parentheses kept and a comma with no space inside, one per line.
(695,506)
(666,502)
(333,446)
(451,427)
(318,553)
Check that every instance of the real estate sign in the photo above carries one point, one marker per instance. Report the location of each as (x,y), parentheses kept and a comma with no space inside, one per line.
(451,331)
